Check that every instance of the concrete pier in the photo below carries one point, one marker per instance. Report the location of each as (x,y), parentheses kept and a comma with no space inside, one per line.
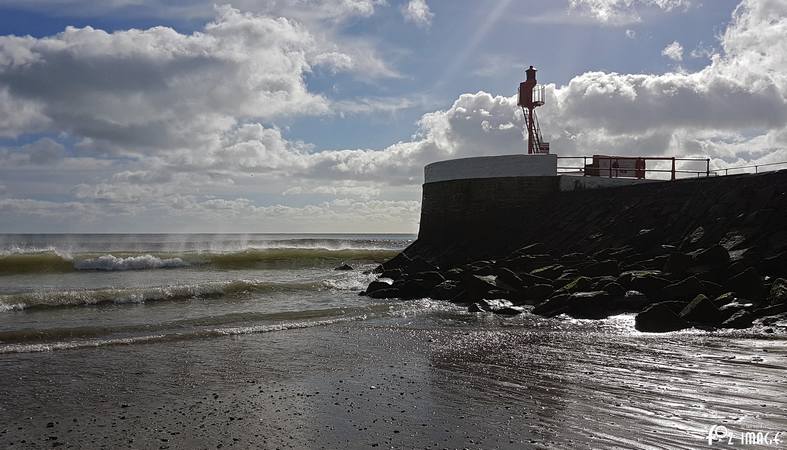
(467,194)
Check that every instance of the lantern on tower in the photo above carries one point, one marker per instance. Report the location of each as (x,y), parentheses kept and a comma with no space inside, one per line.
(531,96)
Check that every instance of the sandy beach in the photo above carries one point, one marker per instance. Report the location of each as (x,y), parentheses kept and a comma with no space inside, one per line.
(439,378)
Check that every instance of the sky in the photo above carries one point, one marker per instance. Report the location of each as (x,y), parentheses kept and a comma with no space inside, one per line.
(319,115)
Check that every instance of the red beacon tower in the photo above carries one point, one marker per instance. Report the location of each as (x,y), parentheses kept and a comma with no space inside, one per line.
(531,96)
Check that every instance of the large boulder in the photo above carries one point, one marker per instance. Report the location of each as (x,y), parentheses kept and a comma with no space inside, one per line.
(553,306)
(532,249)
(648,283)
(552,271)
(614,289)
(747,284)
(685,289)
(659,318)
(430,277)
(388,292)
(702,310)
(376,286)
(534,294)
(579,284)
(601,268)
(393,274)
(508,280)
(447,290)
(418,265)
(477,287)
(632,301)
(778,294)
(589,305)
(715,256)
(739,320)
(677,263)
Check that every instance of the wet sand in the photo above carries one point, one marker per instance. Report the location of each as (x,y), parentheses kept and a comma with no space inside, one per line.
(443,379)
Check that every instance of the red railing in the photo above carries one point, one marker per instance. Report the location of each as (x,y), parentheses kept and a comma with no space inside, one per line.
(612,169)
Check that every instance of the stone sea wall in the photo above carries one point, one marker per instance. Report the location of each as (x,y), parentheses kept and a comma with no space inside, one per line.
(708,252)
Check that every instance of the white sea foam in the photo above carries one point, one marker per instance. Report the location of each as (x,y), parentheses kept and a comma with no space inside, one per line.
(111,263)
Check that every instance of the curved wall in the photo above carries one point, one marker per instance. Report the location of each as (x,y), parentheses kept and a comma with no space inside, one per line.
(491,167)
(458,208)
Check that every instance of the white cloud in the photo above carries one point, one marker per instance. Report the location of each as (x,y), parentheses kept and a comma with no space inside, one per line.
(631,34)
(622,12)
(418,12)
(673,51)
(202,159)
(304,10)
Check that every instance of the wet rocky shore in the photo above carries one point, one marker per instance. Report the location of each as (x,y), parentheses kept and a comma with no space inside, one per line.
(709,253)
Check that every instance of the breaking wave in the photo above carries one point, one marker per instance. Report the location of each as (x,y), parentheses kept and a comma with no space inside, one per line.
(110,262)
(83,297)
(52,261)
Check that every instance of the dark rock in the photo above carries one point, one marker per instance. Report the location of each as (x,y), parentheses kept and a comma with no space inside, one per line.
(509,311)
(418,265)
(393,274)
(553,306)
(552,271)
(715,256)
(344,266)
(648,283)
(532,249)
(577,285)
(677,263)
(415,288)
(739,320)
(730,309)
(475,308)
(384,293)
(776,265)
(529,279)
(658,318)
(476,287)
(455,274)
(526,263)
(589,305)
(508,280)
(702,310)
(710,288)
(747,284)
(646,239)
(498,294)
(535,293)
(682,290)
(397,262)
(723,299)
(376,286)
(614,289)
(632,301)
(778,294)
(430,277)
(608,267)
(447,290)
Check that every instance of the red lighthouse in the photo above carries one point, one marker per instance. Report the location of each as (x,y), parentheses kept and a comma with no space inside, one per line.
(531,96)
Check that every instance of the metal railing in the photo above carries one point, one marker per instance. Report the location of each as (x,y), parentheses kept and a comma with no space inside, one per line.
(756,168)
(674,171)
(615,172)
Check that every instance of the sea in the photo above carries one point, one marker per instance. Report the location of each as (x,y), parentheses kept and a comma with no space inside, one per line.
(66,291)
(152,340)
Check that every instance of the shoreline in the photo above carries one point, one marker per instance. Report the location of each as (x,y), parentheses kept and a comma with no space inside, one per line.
(440,378)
